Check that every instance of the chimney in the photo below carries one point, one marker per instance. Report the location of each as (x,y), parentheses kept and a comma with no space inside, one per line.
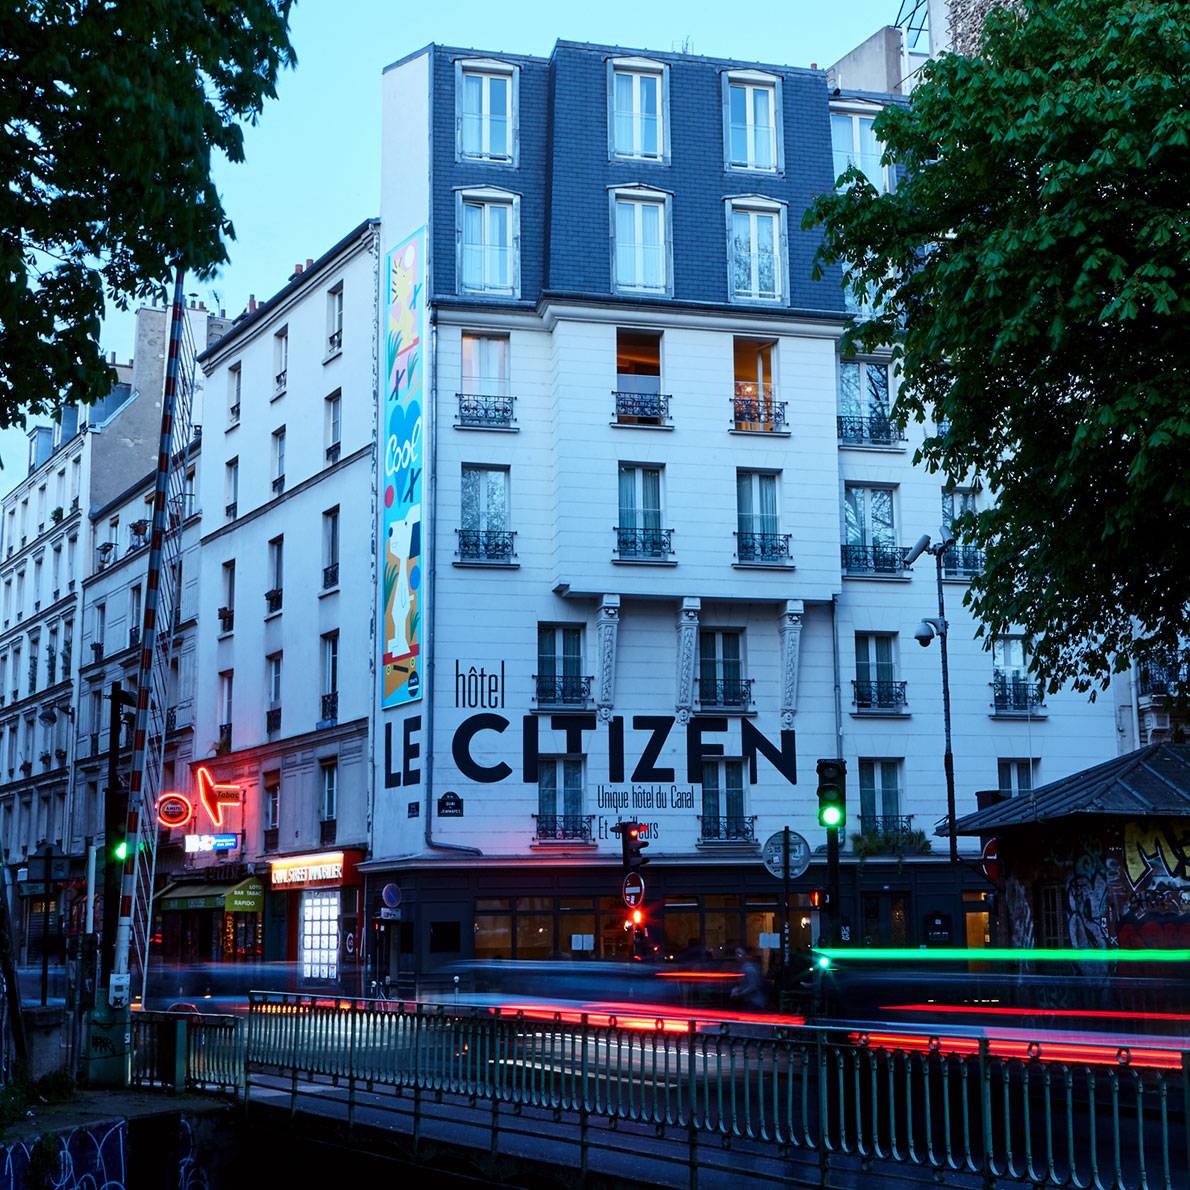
(202,306)
(222,312)
(113,357)
(813,65)
(309,261)
(252,303)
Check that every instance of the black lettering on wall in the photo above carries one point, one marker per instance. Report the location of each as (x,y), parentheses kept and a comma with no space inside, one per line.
(697,749)
(410,775)
(392,777)
(615,748)
(784,761)
(646,769)
(529,749)
(461,749)
(573,726)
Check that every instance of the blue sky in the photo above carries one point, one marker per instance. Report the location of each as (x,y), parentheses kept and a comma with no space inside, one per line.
(313,161)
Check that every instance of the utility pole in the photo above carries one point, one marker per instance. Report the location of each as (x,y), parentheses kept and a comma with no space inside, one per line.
(115,819)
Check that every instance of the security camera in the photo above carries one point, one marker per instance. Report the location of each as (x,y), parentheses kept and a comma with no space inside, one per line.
(925,633)
(918,549)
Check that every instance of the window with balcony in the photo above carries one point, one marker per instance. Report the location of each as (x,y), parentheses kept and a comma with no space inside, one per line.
(72,545)
(559,679)
(276,575)
(959,560)
(560,799)
(99,630)
(864,411)
(334,320)
(278,458)
(1015,777)
(329,708)
(273,678)
(489,239)
(330,548)
(231,488)
(226,690)
(752,121)
(484,535)
(876,686)
(486,103)
(333,419)
(270,810)
(234,391)
(870,532)
(755,408)
(638,396)
(1014,690)
(280,361)
(639,103)
(723,804)
(759,540)
(721,681)
(854,143)
(880,796)
(135,604)
(639,535)
(329,783)
(485,401)
(642,261)
(757,259)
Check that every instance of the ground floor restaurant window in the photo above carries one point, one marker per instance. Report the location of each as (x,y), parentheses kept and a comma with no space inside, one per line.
(320,934)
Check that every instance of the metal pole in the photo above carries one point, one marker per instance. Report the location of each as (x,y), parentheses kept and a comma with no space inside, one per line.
(89,926)
(114,813)
(948,755)
(785,903)
(45,922)
(832,884)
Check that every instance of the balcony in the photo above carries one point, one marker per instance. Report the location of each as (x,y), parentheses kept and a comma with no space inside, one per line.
(224,744)
(1163,675)
(485,545)
(643,545)
(332,453)
(233,415)
(279,382)
(566,691)
(96,651)
(768,548)
(227,619)
(334,341)
(879,696)
(181,507)
(230,510)
(868,431)
(724,693)
(754,411)
(875,824)
(94,744)
(327,830)
(330,576)
(330,707)
(641,409)
(480,411)
(278,485)
(272,720)
(961,561)
(732,829)
(171,720)
(886,560)
(1016,696)
(134,636)
(560,828)
(271,838)
(137,541)
(272,600)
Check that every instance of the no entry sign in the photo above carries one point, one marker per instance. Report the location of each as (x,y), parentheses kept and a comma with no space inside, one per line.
(634,889)
(991,868)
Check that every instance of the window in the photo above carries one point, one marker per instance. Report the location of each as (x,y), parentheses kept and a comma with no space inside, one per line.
(226,685)
(276,574)
(329,709)
(320,935)
(273,674)
(560,798)
(880,796)
(876,685)
(639,109)
(752,121)
(234,377)
(486,103)
(723,802)
(484,533)
(34,662)
(330,548)
(1013,689)
(334,426)
(272,801)
(758,535)
(20,594)
(721,681)
(38,570)
(854,143)
(100,624)
(56,570)
(227,610)
(1051,916)
(754,405)
(329,771)
(280,360)
(96,711)
(1016,776)
(639,534)
(41,508)
(485,365)
(76,478)
(489,223)
(959,560)
(756,248)
(72,544)
(135,602)
(870,532)
(639,401)
(231,487)
(334,319)
(641,261)
(863,404)
(279,461)
(560,665)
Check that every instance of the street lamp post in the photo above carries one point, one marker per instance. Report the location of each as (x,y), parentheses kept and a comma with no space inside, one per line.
(926,631)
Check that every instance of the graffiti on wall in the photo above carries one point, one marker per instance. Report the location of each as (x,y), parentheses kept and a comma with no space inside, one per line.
(85,1158)
(404,603)
(1155,866)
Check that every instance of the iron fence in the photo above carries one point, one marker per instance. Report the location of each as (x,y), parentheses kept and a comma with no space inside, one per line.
(874,559)
(1016,695)
(564,826)
(562,690)
(649,409)
(479,409)
(727,829)
(869,431)
(879,695)
(762,547)
(643,544)
(485,545)
(188,1051)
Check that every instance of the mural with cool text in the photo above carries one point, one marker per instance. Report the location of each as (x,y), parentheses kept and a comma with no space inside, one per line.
(404,602)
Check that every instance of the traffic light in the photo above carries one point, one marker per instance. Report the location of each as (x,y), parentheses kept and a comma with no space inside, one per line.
(819,899)
(832,794)
(632,845)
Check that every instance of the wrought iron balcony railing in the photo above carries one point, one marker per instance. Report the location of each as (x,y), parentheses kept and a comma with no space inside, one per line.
(485,545)
(728,829)
(332,452)
(171,719)
(134,636)
(642,409)
(272,599)
(334,341)
(233,415)
(279,381)
(961,561)
(564,826)
(869,431)
(874,559)
(1164,674)
(225,737)
(279,484)
(879,696)
(330,575)
(490,412)
(874,824)
(1012,695)
(724,692)
(330,706)
(271,838)
(652,545)
(230,510)
(328,830)
(762,547)
(562,691)
(227,619)
(272,720)
(756,410)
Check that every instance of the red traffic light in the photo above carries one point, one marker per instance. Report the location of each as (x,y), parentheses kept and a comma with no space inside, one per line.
(818,898)
(637,917)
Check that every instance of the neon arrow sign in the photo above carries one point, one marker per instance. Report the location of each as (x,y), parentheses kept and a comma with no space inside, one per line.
(215,797)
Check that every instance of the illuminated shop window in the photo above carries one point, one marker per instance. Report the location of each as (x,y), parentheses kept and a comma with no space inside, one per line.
(320,935)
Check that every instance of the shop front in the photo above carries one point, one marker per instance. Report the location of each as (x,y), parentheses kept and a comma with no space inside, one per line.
(212,923)
(317,897)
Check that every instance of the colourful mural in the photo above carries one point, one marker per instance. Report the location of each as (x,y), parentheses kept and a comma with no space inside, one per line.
(404,601)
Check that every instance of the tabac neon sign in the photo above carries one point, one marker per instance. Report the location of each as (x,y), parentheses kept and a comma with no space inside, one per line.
(214,797)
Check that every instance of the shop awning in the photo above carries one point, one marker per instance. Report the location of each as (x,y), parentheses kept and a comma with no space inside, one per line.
(242,896)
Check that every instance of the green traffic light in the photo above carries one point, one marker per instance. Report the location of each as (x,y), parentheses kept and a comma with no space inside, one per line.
(122,849)
(824,962)
(830,816)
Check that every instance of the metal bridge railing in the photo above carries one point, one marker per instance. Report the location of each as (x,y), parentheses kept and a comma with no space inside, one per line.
(188,1051)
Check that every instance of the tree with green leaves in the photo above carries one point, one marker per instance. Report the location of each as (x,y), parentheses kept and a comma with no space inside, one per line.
(111,113)
(1030,275)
